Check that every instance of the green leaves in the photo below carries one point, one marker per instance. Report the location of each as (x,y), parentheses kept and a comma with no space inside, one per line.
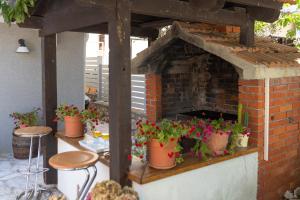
(287,19)
(16,13)
(27,119)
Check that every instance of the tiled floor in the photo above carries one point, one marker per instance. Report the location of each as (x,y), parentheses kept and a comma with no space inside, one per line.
(10,184)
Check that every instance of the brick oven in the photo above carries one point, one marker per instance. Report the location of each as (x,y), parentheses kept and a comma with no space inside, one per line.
(201,67)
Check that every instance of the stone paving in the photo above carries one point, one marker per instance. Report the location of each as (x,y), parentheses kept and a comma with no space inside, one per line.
(11,184)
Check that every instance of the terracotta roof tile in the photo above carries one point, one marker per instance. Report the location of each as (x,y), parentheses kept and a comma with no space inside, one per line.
(264,52)
(264,56)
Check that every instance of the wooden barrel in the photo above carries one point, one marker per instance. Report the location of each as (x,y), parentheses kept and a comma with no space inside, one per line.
(21,146)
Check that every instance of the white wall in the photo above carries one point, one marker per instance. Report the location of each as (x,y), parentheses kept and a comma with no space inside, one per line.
(70,68)
(21,76)
(234,179)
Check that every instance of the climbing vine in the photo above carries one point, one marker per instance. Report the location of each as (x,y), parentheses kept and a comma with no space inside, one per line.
(17,11)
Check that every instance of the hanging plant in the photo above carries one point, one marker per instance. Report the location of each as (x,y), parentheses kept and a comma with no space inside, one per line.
(17,11)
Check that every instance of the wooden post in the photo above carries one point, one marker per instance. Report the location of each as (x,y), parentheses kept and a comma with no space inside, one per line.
(120,91)
(247,33)
(49,102)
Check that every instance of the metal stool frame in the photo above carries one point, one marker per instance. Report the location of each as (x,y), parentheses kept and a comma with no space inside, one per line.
(28,172)
(82,193)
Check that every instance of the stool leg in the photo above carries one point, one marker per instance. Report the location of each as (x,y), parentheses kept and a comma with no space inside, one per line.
(91,181)
(29,167)
(79,195)
(37,165)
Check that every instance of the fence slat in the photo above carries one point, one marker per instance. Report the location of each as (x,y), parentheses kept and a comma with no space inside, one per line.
(96,75)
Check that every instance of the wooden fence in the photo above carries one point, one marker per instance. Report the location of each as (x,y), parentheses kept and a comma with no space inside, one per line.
(96,81)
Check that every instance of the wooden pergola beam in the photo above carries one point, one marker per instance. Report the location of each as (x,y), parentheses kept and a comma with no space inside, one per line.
(208,5)
(120,91)
(74,19)
(177,10)
(258,3)
(49,102)
(135,31)
(247,35)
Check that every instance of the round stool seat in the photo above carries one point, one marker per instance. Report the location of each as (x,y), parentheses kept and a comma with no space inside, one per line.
(73,160)
(33,131)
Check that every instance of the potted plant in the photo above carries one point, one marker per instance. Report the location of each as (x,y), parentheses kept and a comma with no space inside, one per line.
(218,140)
(211,136)
(160,141)
(242,131)
(21,145)
(200,131)
(70,114)
(91,117)
(75,119)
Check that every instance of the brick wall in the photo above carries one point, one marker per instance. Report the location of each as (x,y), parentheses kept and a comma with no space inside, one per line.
(282,171)
(153,97)
(203,82)
(207,82)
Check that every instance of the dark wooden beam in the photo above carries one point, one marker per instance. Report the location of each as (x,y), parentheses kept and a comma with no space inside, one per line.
(120,91)
(68,20)
(211,5)
(258,3)
(32,22)
(157,23)
(247,35)
(263,14)
(177,10)
(135,31)
(49,102)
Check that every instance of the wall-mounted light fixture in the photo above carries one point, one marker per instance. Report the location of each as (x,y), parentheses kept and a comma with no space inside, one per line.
(22,48)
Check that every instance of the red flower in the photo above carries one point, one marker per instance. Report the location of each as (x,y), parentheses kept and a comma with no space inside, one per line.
(129,157)
(141,156)
(161,145)
(177,154)
(172,139)
(153,124)
(171,154)
(225,152)
(198,134)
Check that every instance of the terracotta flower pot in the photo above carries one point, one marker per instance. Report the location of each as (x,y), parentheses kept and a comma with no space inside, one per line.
(73,127)
(162,156)
(217,142)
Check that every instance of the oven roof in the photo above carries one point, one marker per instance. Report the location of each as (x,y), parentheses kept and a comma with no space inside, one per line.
(265,60)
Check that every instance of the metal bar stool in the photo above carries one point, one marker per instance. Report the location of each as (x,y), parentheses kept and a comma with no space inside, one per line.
(77,160)
(32,132)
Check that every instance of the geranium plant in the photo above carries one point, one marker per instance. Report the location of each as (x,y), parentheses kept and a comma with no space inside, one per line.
(66,110)
(165,132)
(25,119)
(200,130)
(90,115)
